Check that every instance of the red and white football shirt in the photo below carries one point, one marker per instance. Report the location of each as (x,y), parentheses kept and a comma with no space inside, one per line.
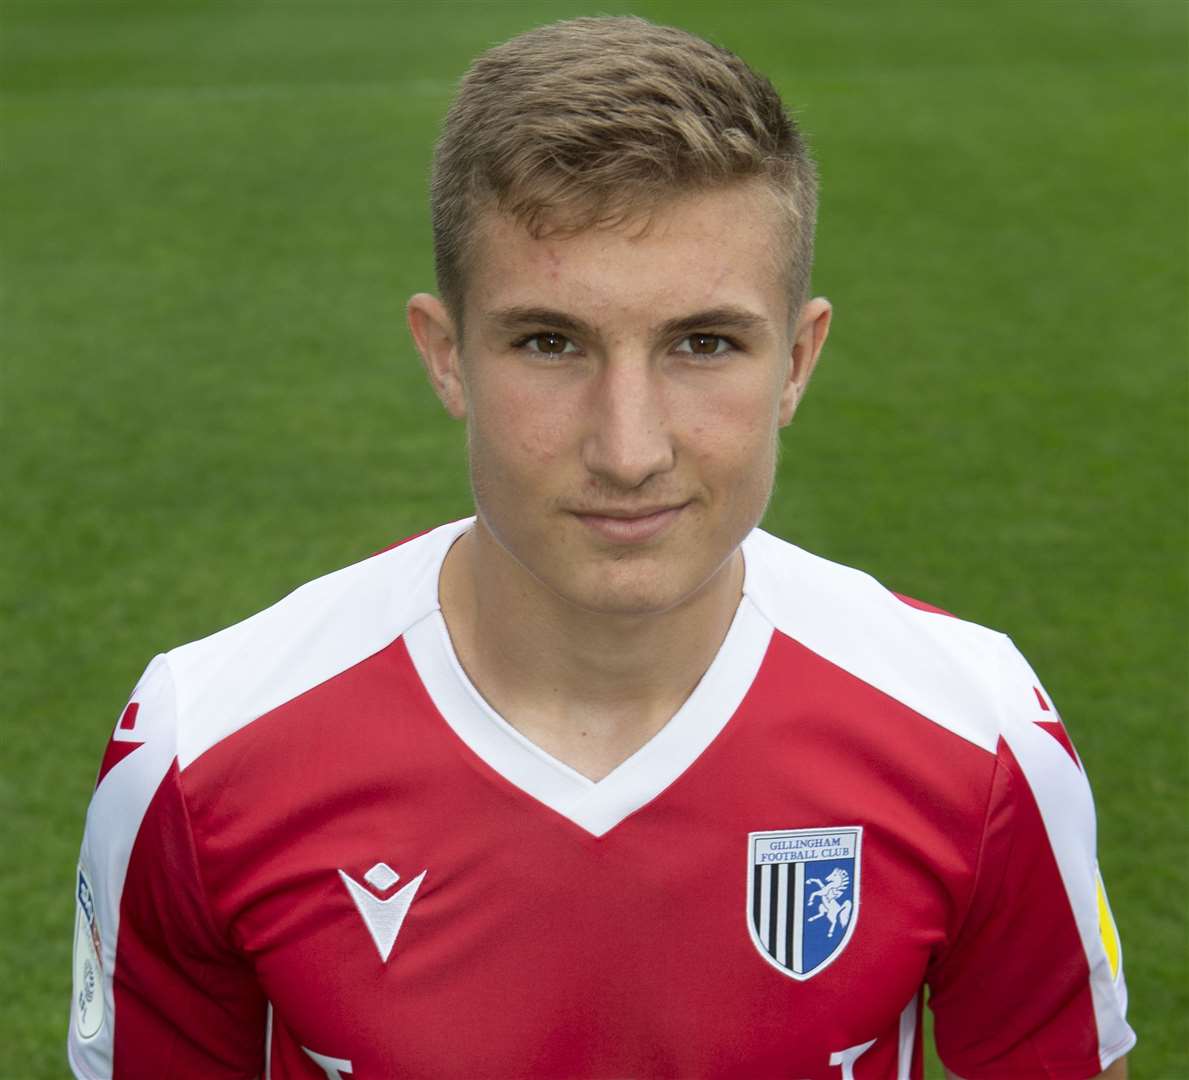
(315,851)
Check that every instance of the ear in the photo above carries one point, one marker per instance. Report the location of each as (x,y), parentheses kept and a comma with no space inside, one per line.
(434,333)
(812,327)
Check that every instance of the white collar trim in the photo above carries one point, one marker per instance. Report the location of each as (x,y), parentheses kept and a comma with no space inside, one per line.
(593,806)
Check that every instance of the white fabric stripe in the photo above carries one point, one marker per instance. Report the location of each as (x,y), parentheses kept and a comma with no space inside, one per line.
(908,1033)
(798,958)
(1067,809)
(673,749)
(268,1043)
(517,759)
(936,665)
(595,807)
(226,681)
(765,904)
(113,821)
(782,912)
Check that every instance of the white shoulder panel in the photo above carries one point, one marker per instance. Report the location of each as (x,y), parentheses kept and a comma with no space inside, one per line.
(941,667)
(1063,796)
(229,679)
(113,821)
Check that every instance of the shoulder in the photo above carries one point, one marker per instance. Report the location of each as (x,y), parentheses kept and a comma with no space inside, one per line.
(963,676)
(223,682)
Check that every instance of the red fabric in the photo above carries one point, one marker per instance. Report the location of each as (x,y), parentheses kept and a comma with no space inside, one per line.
(1029,1012)
(118,749)
(186,1006)
(128,720)
(533,948)
(922,606)
(1057,730)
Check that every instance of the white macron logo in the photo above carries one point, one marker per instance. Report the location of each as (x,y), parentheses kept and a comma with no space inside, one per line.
(383,918)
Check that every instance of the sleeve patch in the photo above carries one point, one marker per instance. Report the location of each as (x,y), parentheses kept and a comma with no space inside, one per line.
(1107,929)
(88,963)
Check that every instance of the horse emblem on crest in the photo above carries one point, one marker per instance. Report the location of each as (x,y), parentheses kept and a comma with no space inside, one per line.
(829,893)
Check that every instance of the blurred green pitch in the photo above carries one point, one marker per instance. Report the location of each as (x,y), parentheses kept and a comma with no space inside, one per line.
(213,212)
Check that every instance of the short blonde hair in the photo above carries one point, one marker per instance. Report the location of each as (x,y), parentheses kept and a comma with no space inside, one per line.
(593,121)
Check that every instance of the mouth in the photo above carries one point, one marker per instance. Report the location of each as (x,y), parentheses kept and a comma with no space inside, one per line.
(629,526)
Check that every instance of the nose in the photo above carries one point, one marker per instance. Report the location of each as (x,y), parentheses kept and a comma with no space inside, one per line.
(629,437)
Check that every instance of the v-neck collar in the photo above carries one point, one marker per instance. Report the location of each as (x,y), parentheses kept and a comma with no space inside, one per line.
(595,806)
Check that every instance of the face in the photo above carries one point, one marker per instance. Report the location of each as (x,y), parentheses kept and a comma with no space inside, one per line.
(623,390)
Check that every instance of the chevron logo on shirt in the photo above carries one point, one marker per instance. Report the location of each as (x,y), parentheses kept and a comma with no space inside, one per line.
(124,739)
(382,917)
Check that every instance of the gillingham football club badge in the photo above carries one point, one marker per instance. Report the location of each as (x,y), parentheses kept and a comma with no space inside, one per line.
(803,896)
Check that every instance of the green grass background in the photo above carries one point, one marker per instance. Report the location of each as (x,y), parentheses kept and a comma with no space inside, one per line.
(213,212)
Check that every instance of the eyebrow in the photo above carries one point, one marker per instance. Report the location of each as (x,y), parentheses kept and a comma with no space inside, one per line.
(517,318)
(720,318)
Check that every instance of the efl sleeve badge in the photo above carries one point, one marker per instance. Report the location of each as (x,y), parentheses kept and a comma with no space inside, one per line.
(88,962)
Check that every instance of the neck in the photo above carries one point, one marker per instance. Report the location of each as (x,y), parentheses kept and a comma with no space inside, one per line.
(590,688)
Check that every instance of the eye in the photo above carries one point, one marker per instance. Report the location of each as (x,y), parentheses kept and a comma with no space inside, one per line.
(546,343)
(705,345)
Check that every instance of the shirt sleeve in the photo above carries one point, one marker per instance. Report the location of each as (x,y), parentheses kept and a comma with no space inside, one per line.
(158,991)
(1032,984)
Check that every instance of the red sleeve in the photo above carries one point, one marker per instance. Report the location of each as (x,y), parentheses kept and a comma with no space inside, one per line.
(1032,985)
(157,991)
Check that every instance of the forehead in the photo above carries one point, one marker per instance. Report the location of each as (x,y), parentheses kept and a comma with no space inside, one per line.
(727,247)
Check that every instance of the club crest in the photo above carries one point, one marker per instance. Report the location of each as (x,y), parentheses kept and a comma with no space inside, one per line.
(803,896)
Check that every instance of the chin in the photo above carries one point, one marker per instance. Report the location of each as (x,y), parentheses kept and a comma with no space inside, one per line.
(634,592)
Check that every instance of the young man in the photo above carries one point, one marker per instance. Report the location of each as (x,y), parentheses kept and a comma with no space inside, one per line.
(604,782)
